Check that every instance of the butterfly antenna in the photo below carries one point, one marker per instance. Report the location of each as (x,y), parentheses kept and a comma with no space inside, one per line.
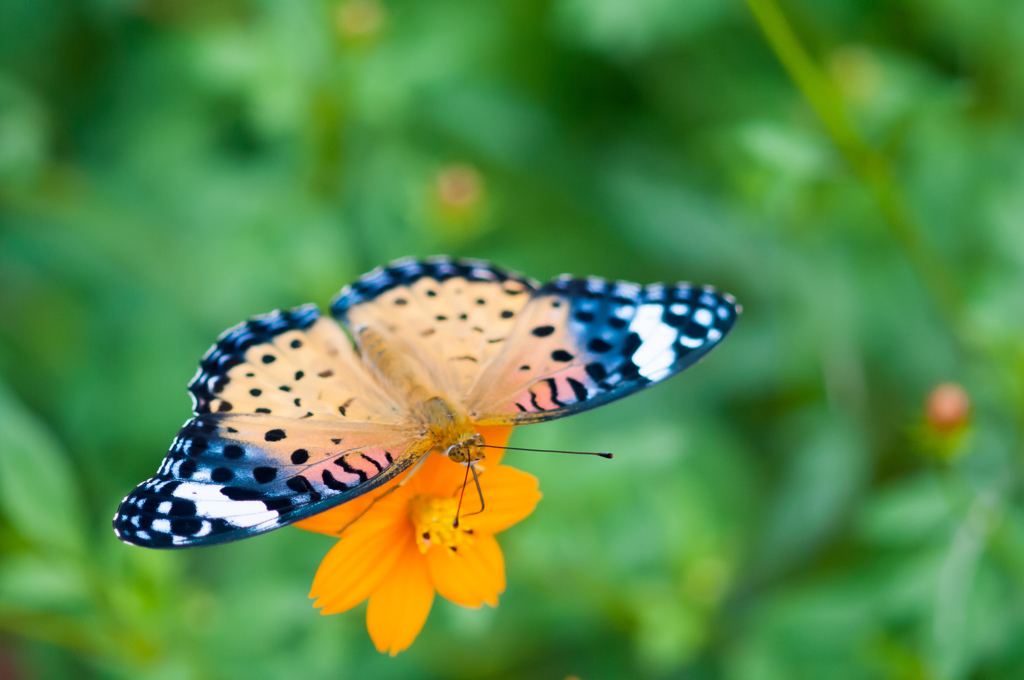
(602,454)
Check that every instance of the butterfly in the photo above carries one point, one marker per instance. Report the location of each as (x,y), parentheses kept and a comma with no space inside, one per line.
(295,412)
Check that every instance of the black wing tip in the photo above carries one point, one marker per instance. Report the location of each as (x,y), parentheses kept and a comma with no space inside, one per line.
(152,517)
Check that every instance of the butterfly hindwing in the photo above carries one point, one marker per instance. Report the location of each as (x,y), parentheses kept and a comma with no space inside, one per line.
(227,476)
(580,343)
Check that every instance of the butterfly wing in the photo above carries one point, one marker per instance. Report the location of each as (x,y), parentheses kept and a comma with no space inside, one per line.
(295,364)
(450,318)
(580,343)
(227,477)
(288,422)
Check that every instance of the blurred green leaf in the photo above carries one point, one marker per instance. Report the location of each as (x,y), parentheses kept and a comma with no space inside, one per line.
(35,582)
(912,511)
(825,473)
(38,491)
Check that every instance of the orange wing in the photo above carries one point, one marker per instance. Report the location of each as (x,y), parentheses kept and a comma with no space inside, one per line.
(294,364)
(288,422)
(450,317)
(581,343)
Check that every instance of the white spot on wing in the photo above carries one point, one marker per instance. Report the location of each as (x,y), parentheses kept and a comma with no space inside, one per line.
(703,317)
(161,525)
(212,504)
(654,357)
(164,508)
(627,289)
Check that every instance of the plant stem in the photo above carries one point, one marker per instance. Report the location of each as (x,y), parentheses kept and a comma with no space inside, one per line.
(872,167)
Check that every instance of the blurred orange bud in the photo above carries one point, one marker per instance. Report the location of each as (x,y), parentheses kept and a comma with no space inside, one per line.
(947,408)
(458,187)
(456,201)
(359,18)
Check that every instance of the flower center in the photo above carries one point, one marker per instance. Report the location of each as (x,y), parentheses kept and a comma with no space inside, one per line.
(433,517)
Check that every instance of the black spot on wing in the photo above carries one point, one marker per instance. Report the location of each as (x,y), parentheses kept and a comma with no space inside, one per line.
(331,482)
(222,475)
(264,474)
(578,389)
(372,462)
(344,465)
(553,386)
(300,484)
(242,493)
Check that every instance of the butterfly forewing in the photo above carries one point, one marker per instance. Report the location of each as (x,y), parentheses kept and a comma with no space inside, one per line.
(227,476)
(584,342)
(294,364)
(450,317)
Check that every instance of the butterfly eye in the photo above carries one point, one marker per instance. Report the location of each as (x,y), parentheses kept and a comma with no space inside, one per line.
(455,453)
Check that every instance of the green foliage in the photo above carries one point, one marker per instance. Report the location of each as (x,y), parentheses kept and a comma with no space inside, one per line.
(850,171)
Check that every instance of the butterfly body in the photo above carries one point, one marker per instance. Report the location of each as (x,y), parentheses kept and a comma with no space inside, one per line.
(295,412)
(445,426)
(450,431)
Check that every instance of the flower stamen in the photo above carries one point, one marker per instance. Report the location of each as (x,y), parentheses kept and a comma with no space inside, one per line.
(433,518)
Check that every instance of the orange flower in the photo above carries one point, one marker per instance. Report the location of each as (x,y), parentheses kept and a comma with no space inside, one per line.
(405,548)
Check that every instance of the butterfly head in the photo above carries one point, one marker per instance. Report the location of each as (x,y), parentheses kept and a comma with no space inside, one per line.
(468,449)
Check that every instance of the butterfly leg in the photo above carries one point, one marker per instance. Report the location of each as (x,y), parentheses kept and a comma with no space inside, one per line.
(470,467)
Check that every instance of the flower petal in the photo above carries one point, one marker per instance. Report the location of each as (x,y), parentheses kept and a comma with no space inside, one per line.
(437,474)
(365,556)
(510,495)
(473,575)
(331,521)
(400,604)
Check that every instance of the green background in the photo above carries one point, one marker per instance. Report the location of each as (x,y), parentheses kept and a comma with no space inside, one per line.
(852,171)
